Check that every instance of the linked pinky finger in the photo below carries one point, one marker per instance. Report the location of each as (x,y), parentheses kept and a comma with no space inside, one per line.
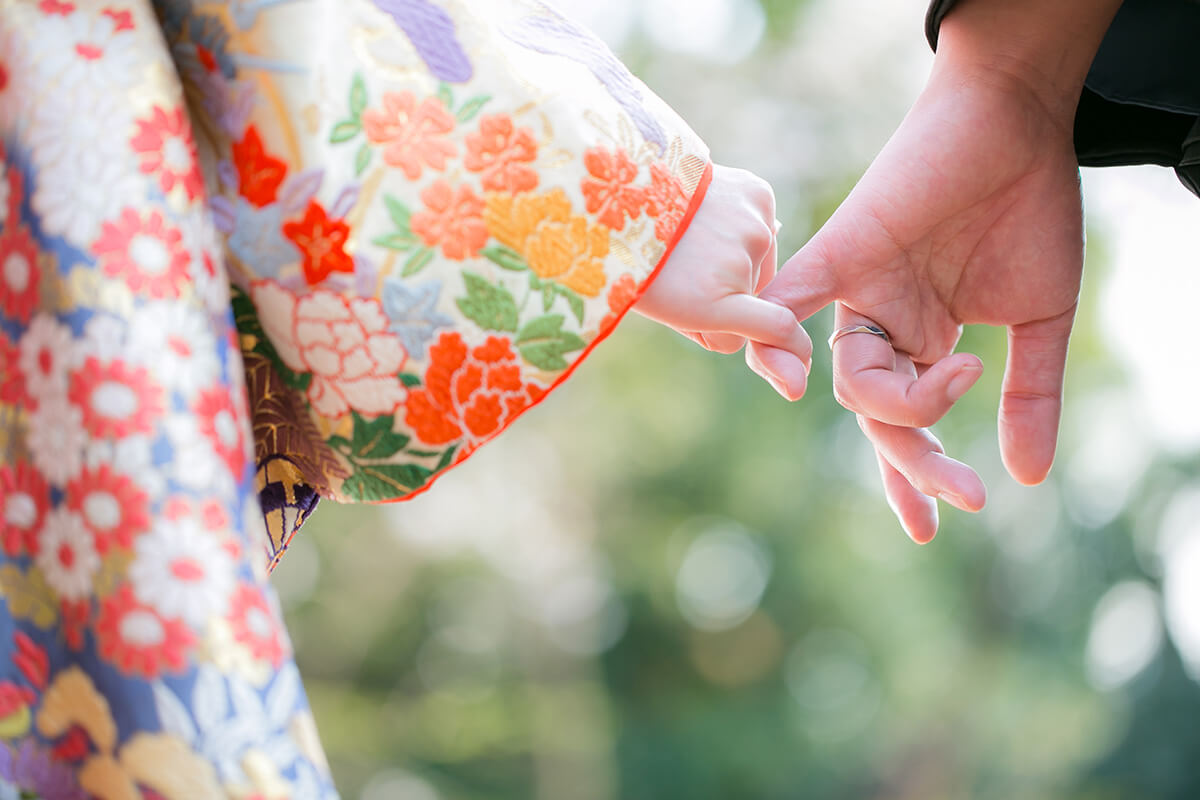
(917,512)
(918,456)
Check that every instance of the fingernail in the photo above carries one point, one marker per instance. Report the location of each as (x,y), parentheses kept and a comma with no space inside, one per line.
(963,381)
(953,500)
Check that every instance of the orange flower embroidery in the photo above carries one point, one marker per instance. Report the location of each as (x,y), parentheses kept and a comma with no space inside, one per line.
(621,296)
(414,133)
(259,174)
(322,241)
(454,220)
(665,201)
(557,244)
(478,390)
(609,192)
(500,151)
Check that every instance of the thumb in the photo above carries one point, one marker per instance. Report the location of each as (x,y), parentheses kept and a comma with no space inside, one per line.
(807,282)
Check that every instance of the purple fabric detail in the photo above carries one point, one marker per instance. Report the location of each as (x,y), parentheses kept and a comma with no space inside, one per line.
(32,769)
(432,33)
(558,36)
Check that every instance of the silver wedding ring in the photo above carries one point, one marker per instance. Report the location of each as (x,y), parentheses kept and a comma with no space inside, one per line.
(849,329)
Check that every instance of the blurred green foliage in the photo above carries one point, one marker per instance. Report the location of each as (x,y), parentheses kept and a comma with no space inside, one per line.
(531,628)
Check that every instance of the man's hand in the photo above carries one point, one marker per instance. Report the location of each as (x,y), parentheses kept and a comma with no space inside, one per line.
(708,288)
(970,214)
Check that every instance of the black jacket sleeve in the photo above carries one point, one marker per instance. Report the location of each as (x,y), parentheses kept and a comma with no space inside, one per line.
(1141,99)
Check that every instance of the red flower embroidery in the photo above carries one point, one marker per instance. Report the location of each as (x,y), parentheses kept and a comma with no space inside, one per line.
(24,500)
(75,616)
(31,659)
(145,252)
(414,133)
(609,193)
(74,746)
(117,400)
(164,140)
(112,506)
(665,201)
(19,274)
(454,220)
(137,640)
(478,390)
(13,698)
(254,626)
(500,151)
(323,242)
(12,383)
(219,420)
(122,19)
(56,7)
(259,174)
(620,297)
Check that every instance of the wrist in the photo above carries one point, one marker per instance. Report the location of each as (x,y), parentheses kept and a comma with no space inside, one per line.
(1043,47)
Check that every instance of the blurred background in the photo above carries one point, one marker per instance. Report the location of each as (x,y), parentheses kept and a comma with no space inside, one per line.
(666,582)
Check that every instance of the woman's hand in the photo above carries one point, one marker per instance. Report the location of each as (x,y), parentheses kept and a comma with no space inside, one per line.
(708,288)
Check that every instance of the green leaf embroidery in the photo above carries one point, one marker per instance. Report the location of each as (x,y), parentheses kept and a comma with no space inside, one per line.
(385,481)
(547,296)
(446,458)
(345,130)
(472,107)
(400,242)
(358,96)
(410,380)
(417,262)
(361,159)
(339,443)
(543,342)
(504,257)
(398,212)
(376,439)
(423,453)
(490,307)
(446,96)
(574,301)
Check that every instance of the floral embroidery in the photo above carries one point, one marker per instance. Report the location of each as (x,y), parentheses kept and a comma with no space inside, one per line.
(557,244)
(56,439)
(19,274)
(454,220)
(259,174)
(145,252)
(666,201)
(127,511)
(164,140)
(24,500)
(254,626)
(609,189)
(413,133)
(111,505)
(621,296)
(67,555)
(117,400)
(45,354)
(502,152)
(322,241)
(137,640)
(182,571)
(477,390)
(222,424)
(345,345)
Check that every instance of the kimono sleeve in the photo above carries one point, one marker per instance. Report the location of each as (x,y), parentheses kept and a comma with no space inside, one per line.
(434,210)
